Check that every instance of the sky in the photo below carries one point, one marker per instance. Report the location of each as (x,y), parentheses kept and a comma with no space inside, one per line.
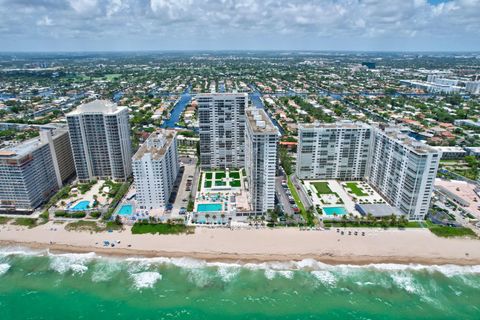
(138,25)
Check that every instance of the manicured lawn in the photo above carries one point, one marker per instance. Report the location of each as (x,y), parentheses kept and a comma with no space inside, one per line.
(208,175)
(161,228)
(235,174)
(322,187)
(219,183)
(208,184)
(235,183)
(353,186)
(450,232)
(220,175)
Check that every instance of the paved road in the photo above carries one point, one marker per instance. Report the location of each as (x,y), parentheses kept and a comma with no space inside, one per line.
(282,196)
(183,195)
(303,197)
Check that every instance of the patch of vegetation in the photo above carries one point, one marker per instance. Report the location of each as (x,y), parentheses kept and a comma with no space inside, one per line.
(85,187)
(307,214)
(353,186)
(161,228)
(84,225)
(208,175)
(74,215)
(234,174)
(190,205)
(5,220)
(450,232)
(285,160)
(322,187)
(208,184)
(95,214)
(25,222)
(220,175)
(119,194)
(235,183)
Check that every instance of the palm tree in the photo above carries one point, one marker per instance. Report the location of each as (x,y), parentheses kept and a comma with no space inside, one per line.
(207,217)
(393,220)
(344,220)
(222,216)
(214,217)
(370,218)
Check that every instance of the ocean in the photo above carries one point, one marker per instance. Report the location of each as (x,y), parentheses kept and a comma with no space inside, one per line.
(42,285)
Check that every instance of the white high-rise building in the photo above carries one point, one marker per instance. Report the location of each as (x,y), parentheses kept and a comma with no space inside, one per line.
(222,129)
(472,87)
(32,171)
(261,142)
(155,168)
(333,150)
(403,171)
(100,137)
(400,168)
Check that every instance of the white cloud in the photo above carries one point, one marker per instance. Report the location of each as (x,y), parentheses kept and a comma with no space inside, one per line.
(45,21)
(258,21)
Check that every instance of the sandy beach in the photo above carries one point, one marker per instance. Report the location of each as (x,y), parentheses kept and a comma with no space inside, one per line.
(377,246)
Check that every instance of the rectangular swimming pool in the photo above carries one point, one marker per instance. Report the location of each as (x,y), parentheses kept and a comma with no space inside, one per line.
(125,210)
(330,211)
(81,206)
(208,207)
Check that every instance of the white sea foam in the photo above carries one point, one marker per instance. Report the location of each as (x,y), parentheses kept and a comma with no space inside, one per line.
(73,262)
(21,251)
(405,281)
(104,271)
(325,277)
(145,279)
(4,267)
(228,273)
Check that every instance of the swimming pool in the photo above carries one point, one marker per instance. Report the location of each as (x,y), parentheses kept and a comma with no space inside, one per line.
(81,206)
(125,210)
(330,211)
(208,207)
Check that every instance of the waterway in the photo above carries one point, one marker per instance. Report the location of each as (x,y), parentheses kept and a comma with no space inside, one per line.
(178,109)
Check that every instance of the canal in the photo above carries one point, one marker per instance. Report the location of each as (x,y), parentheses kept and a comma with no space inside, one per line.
(178,109)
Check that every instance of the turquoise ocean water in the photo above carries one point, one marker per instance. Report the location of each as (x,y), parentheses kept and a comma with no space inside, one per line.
(41,285)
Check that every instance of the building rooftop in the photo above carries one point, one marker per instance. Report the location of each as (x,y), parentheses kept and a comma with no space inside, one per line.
(260,122)
(220,94)
(336,125)
(25,147)
(395,133)
(157,144)
(97,106)
(378,210)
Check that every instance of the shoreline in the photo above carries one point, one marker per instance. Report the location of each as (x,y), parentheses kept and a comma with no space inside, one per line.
(409,246)
(226,257)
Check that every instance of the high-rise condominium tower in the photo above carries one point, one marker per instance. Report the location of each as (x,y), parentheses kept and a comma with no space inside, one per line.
(333,150)
(261,142)
(222,129)
(155,168)
(100,137)
(32,171)
(403,171)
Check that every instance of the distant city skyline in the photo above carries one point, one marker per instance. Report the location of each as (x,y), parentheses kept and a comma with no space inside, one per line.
(139,25)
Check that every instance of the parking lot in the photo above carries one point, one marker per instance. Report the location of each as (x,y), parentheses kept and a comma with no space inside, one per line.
(186,185)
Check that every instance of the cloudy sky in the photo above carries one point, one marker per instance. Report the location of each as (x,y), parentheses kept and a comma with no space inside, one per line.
(86,25)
